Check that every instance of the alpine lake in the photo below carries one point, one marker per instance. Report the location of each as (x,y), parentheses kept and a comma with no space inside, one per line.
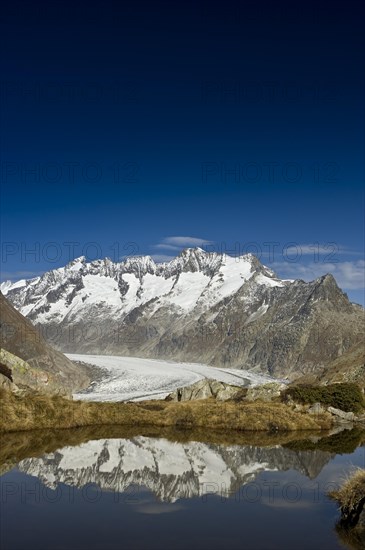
(112,488)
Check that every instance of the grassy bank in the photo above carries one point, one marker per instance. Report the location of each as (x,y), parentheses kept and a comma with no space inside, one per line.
(36,411)
(351,497)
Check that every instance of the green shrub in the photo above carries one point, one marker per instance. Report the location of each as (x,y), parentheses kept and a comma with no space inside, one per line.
(344,442)
(345,396)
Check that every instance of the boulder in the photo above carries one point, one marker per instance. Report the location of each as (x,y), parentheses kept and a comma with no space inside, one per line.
(265,392)
(5,383)
(205,389)
(229,392)
(316,408)
(341,415)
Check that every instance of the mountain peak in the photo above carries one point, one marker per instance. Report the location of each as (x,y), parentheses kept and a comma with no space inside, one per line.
(195,252)
(140,265)
(193,260)
(76,263)
(327,289)
(201,306)
(5,285)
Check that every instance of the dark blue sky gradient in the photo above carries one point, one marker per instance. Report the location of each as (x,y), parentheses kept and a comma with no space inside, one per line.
(154,104)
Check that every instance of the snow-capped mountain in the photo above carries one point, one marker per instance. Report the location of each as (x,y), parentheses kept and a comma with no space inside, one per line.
(193,280)
(200,307)
(171,470)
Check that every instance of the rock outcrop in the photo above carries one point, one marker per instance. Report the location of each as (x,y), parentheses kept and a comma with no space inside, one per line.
(32,362)
(205,389)
(341,416)
(213,389)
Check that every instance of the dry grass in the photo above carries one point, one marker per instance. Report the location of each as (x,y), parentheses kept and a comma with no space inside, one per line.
(39,411)
(254,416)
(351,496)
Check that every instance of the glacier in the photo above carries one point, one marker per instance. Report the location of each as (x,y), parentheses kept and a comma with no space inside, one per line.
(134,379)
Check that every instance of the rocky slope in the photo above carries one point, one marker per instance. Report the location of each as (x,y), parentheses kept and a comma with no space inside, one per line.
(349,367)
(171,470)
(200,307)
(32,361)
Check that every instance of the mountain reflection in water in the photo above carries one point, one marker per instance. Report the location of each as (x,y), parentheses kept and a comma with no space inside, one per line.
(171,470)
(109,487)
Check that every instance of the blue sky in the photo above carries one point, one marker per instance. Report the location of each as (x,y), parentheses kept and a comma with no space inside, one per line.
(142,130)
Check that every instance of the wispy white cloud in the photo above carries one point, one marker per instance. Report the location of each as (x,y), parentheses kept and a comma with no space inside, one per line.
(185,241)
(17,275)
(329,249)
(160,508)
(349,275)
(326,252)
(290,504)
(175,244)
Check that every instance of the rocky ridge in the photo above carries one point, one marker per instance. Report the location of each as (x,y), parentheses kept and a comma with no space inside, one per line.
(200,307)
(34,363)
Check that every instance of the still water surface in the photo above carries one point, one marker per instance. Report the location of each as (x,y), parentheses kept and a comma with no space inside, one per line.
(83,490)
